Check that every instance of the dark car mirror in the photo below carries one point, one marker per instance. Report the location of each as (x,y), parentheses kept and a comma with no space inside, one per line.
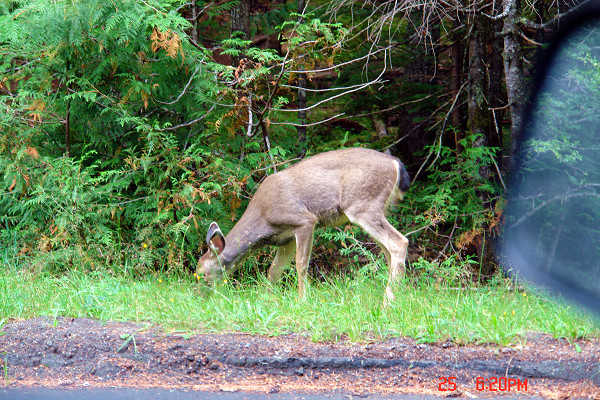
(552,233)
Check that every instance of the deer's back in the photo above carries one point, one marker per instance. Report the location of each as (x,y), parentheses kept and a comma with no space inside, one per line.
(326,184)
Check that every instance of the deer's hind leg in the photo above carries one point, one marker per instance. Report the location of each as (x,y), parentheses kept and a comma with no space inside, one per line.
(392,242)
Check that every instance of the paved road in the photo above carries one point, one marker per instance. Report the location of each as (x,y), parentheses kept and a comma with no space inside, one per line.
(162,394)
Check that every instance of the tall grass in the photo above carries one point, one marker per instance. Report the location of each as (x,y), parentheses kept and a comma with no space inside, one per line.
(339,308)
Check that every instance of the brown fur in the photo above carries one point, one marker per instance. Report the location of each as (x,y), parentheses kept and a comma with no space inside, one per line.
(327,189)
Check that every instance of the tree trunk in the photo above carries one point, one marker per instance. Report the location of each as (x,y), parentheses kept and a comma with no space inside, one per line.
(456,82)
(68,115)
(513,72)
(240,22)
(194,21)
(301,114)
(240,18)
(301,98)
(478,108)
(496,89)
(68,130)
(480,122)
(431,61)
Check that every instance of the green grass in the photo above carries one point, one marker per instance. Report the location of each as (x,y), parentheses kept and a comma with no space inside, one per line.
(351,307)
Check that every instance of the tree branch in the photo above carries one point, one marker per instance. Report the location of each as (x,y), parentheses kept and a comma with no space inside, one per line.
(359,87)
(183,91)
(562,197)
(553,23)
(311,124)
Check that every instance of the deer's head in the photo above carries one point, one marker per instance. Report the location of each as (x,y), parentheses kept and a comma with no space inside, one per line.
(211,265)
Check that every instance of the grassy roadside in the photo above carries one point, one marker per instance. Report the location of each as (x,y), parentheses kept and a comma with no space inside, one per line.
(332,310)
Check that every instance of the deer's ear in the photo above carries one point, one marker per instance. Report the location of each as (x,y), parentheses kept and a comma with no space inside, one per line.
(215,238)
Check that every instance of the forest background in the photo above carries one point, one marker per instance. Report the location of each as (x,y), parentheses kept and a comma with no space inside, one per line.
(127,126)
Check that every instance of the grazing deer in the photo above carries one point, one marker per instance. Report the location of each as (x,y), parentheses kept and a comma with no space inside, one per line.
(327,189)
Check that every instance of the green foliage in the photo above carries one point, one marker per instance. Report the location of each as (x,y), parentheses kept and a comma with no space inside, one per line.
(452,272)
(359,254)
(458,191)
(123,138)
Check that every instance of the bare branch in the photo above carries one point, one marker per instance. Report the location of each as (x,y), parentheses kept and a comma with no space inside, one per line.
(249,132)
(498,171)
(505,12)
(394,107)
(311,124)
(324,90)
(184,89)
(155,9)
(355,89)
(533,42)
(191,3)
(418,230)
(170,128)
(441,133)
(369,55)
(561,197)
(553,23)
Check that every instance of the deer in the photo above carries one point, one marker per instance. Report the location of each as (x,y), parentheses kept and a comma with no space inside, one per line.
(355,185)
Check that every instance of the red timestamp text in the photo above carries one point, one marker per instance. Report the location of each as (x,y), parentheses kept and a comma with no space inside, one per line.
(492,384)
(447,384)
(500,384)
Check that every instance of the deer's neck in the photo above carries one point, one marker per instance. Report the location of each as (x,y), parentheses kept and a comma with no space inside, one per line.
(247,234)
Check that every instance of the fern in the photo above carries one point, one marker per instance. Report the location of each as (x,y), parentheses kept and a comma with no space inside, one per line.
(157,127)
(215,9)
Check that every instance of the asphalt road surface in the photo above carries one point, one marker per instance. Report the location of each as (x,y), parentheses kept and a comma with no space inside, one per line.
(152,394)
(79,358)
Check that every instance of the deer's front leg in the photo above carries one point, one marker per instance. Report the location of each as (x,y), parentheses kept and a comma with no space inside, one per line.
(304,242)
(282,258)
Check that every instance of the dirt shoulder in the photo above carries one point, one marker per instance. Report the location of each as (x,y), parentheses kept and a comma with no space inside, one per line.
(83,352)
